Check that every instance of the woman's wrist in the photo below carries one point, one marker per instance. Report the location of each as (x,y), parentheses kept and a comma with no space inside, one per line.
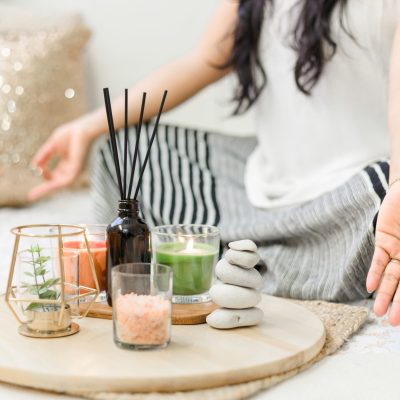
(393,182)
(93,125)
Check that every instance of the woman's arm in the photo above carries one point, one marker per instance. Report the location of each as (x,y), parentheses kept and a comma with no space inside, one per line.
(182,78)
(384,274)
(394,109)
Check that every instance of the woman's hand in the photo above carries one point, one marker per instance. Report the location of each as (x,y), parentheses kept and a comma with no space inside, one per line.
(68,146)
(384,274)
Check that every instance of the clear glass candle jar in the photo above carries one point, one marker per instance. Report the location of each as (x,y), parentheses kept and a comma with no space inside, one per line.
(192,253)
(142,295)
(96,237)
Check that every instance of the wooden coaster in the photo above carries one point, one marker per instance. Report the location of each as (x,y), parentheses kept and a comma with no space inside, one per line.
(100,310)
(191,314)
(182,314)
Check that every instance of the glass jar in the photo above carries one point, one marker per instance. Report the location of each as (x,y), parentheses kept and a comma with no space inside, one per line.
(142,295)
(96,236)
(192,253)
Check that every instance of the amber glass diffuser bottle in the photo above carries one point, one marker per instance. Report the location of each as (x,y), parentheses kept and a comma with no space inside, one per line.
(128,236)
(128,239)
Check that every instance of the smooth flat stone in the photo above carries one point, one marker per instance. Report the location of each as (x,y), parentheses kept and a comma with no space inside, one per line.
(243,245)
(230,296)
(244,259)
(234,275)
(224,318)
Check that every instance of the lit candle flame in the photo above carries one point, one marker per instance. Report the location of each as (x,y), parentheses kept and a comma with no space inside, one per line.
(191,249)
(190,245)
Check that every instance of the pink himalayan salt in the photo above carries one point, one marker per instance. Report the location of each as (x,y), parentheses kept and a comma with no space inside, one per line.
(143,319)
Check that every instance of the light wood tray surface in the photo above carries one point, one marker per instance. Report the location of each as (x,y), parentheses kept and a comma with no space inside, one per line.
(198,357)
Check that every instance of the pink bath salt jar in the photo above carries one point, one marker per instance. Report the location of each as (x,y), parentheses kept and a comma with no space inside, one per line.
(143,319)
(141,298)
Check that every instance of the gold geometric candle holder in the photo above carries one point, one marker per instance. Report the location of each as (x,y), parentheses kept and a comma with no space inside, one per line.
(43,289)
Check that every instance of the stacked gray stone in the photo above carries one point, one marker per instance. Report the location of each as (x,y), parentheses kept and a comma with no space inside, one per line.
(239,293)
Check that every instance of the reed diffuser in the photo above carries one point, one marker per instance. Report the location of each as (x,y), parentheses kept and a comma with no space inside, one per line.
(128,236)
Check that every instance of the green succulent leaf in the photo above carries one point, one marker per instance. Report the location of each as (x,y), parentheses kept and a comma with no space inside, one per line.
(35,249)
(41,260)
(33,290)
(49,295)
(40,271)
(42,288)
(33,306)
(50,282)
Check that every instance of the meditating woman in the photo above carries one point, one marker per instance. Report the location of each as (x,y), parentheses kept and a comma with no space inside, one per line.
(308,191)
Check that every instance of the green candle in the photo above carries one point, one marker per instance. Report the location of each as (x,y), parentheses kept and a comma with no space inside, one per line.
(192,264)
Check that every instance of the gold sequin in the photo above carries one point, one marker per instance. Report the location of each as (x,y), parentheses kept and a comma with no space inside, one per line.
(69,93)
(5,125)
(11,106)
(19,90)
(6,88)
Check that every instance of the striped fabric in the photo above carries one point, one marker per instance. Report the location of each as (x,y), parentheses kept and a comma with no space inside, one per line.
(178,184)
(321,249)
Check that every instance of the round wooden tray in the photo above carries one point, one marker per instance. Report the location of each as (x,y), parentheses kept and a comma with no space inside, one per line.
(198,356)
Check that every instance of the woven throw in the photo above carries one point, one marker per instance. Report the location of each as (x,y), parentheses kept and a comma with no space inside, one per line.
(340,322)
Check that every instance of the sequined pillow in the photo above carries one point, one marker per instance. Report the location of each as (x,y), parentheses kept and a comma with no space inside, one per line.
(41,87)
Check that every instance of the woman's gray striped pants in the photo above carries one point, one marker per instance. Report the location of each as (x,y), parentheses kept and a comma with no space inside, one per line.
(321,249)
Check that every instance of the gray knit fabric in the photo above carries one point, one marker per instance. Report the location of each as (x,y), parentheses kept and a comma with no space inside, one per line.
(321,249)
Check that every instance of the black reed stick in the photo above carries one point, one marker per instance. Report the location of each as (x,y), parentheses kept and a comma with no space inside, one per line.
(137,144)
(126,142)
(150,144)
(113,138)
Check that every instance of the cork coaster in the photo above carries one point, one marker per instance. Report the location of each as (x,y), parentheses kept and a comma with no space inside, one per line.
(182,314)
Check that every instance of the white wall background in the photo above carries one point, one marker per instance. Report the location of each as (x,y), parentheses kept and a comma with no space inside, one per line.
(133,37)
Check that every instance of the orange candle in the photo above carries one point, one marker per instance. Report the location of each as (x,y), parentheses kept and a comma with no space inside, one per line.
(99,254)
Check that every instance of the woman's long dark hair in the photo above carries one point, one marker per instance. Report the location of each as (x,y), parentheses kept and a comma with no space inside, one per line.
(312,40)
